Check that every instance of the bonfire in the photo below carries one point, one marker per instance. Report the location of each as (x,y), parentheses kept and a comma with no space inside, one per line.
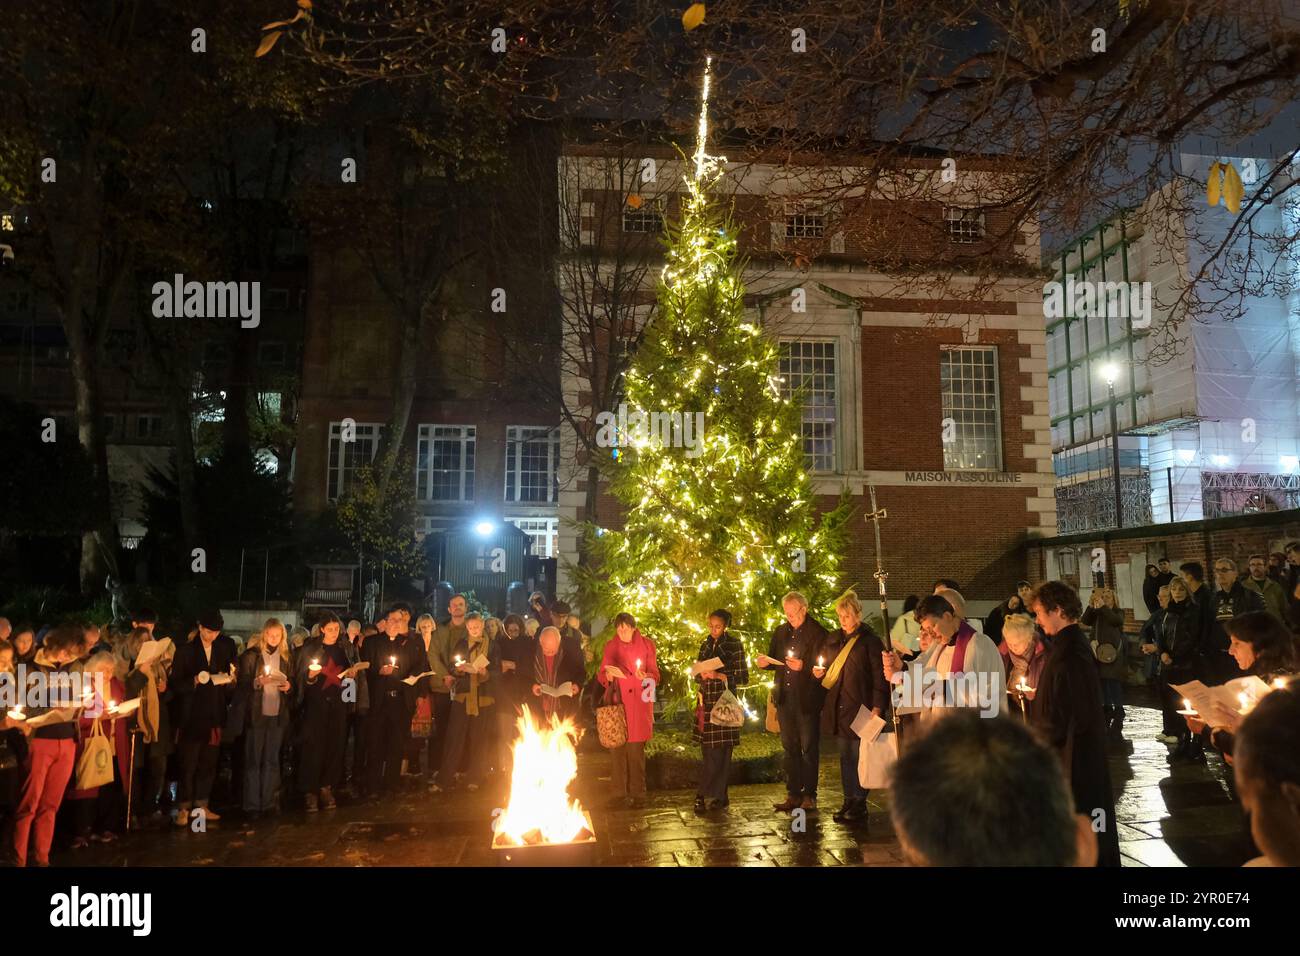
(540,811)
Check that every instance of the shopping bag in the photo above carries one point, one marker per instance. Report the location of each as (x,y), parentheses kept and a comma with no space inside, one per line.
(875,758)
(727,711)
(611,719)
(422,719)
(95,765)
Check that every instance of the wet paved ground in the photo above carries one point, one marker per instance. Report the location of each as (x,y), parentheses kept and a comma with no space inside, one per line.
(1168,816)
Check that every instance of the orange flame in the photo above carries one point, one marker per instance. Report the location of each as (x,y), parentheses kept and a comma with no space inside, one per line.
(540,810)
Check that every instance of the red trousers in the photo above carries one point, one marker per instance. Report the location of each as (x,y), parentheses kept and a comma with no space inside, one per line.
(49,767)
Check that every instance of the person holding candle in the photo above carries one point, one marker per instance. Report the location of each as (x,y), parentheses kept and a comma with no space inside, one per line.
(849,667)
(1065,712)
(476,664)
(154,722)
(1106,622)
(631,654)
(260,712)
(798,696)
(51,755)
(201,712)
(425,635)
(1268,777)
(450,633)
(325,700)
(717,743)
(13,743)
(1024,654)
(394,655)
(96,812)
(1179,646)
(1262,647)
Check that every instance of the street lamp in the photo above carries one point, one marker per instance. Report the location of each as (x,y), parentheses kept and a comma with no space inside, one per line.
(1111,372)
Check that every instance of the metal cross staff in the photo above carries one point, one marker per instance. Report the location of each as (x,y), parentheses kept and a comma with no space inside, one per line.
(875,517)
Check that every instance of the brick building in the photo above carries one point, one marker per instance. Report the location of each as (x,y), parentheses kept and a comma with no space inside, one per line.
(932,388)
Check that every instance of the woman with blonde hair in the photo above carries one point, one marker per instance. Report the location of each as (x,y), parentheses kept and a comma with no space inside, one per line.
(261,712)
(1106,621)
(850,669)
(422,721)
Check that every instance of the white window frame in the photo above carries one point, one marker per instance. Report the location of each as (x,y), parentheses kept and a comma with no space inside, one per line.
(814,415)
(367,431)
(650,211)
(516,435)
(466,436)
(968,422)
(540,529)
(805,220)
(964,224)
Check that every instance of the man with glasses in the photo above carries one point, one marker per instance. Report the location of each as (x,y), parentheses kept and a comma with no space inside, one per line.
(1231,598)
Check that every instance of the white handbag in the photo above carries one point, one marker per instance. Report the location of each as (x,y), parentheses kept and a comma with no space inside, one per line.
(875,758)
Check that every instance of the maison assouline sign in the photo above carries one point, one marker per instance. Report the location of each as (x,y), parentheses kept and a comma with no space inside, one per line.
(1023,480)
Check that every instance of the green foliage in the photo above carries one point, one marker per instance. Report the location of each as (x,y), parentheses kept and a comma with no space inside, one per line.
(733,522)
(378,519)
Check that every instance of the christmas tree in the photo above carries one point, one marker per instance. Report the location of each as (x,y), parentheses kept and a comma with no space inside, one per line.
(709,462)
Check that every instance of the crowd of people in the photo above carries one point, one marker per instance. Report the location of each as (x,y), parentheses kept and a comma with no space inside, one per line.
(1029,703)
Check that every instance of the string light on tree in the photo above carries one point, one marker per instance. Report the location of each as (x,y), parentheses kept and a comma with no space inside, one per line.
(715,528)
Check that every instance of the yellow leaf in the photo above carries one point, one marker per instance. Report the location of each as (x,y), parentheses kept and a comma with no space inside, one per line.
(268,41)
(283,23)
(693,16)
(1212,185)
(634,201)
(1233,191)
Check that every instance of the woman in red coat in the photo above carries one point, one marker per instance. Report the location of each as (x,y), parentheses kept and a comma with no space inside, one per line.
(632,655)
(98,812)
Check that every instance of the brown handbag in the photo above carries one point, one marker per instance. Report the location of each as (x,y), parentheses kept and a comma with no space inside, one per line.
(772,724)
(611,719)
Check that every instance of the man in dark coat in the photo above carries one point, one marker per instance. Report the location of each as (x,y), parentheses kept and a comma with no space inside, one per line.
(798,697)
(202,684)
(1231,598)
(1066,710)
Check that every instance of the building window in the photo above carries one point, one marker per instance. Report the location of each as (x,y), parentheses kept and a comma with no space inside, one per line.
(346,457)
(544,532)
(968,383)
(646,218)
(444,464)
(148,426)
(804,222)
(964,225)
(808,370)
(532,463)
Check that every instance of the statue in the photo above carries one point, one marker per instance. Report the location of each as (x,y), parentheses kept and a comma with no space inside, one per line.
(118,595)
(369,606)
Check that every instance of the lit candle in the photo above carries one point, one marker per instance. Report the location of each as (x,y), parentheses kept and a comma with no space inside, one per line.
(638,663)
(821,661)
(1188,710)
(17,713)
(392,661)
(1279,684)
(112,704)
(1243,702)
(790,652)
(315,666)
(267,670)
